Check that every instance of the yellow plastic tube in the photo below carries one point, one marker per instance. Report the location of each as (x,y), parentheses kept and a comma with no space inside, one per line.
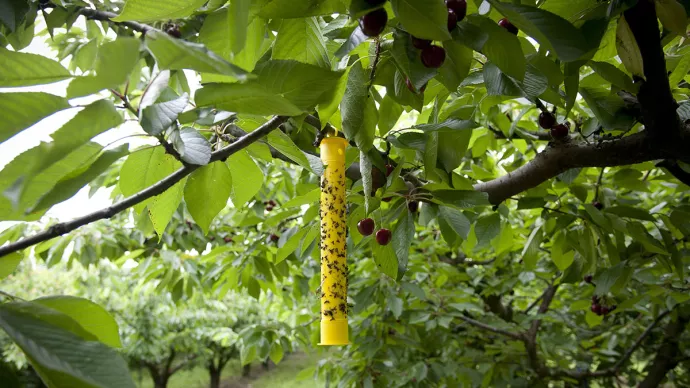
(334,330)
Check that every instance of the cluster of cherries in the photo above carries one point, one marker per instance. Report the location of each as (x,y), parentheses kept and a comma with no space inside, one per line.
(367,226)
(598,304)
(270,205)
(374,22)
(548,121)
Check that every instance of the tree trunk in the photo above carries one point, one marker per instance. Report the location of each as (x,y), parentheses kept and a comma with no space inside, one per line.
(667,356)
(161,382)
(215,376)
(266,364)
(246,370)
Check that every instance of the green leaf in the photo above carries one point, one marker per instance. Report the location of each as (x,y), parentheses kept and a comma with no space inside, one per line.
(163,206)
(606,107)
(207,191)
(284,144)
(9,263)
(22,69)
(500,84)
(302,84)
(331,101)
(612,74)
(247,178)
(457,65)
(245,98)
(21,194)
(461,198)
(456,220)
(358,110)
(389,114)
(93,120)
(114,63)
(290,9)
(487,228)
(276,353)
(628,50)
(238,20)
(385,259)
(448,126)
(89,315)
(550,30)
(561,256)
(639,233)
(452,147)
(193,146)
(144,168)
(352,42)
(176,54)
(301,40)
(60,357)
(605,280)
(152,10)
(402,241)
(156,118)
(503,49)
(672,15)
(531,249)
(16,117)
(69,185)
(290,245)
(426,19)
(630,212)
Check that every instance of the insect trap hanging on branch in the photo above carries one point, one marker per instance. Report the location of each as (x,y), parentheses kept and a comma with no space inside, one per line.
(334,330)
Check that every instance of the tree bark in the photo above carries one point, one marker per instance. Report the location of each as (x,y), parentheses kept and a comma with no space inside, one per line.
(667,357)
(215,376)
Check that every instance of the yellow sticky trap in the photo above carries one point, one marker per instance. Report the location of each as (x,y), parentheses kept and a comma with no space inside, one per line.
(334,330)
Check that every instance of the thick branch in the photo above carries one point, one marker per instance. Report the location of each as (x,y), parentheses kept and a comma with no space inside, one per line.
(632,149)
(657,103)
(667,356)
(158,188)
(674,169)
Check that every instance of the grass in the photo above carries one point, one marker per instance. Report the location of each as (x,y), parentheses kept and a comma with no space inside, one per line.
(279,376)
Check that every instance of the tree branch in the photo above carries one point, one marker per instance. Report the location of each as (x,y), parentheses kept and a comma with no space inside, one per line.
(95,14)
(156,189)
(492,329)
(543,136)
(530,337)
(667,356)
(554,160)
(657,103)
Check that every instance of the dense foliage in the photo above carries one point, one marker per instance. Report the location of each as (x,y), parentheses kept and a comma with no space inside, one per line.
(524,164)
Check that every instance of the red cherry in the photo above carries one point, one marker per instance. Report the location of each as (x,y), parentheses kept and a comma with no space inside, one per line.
(383,236)
(413,206)
(588,278)
(559,132)
(596,309)
(227,239)
(389,169)
(366,226)
(275,237)
(547,120)
(598,205)
(433,57)
(595,299)
(458,6)
(387,199)
(605,310)
(272,202)
(174,31)
(420,43)
(373,23)
(269,208)
(505,23)
(452,20)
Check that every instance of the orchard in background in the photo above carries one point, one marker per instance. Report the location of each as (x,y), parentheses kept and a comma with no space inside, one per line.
(517,181)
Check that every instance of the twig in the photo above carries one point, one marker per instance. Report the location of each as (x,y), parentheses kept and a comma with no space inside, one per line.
(125,102)
(596,192)
(377,55)
(492,329)
(95,14)
(158,188)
